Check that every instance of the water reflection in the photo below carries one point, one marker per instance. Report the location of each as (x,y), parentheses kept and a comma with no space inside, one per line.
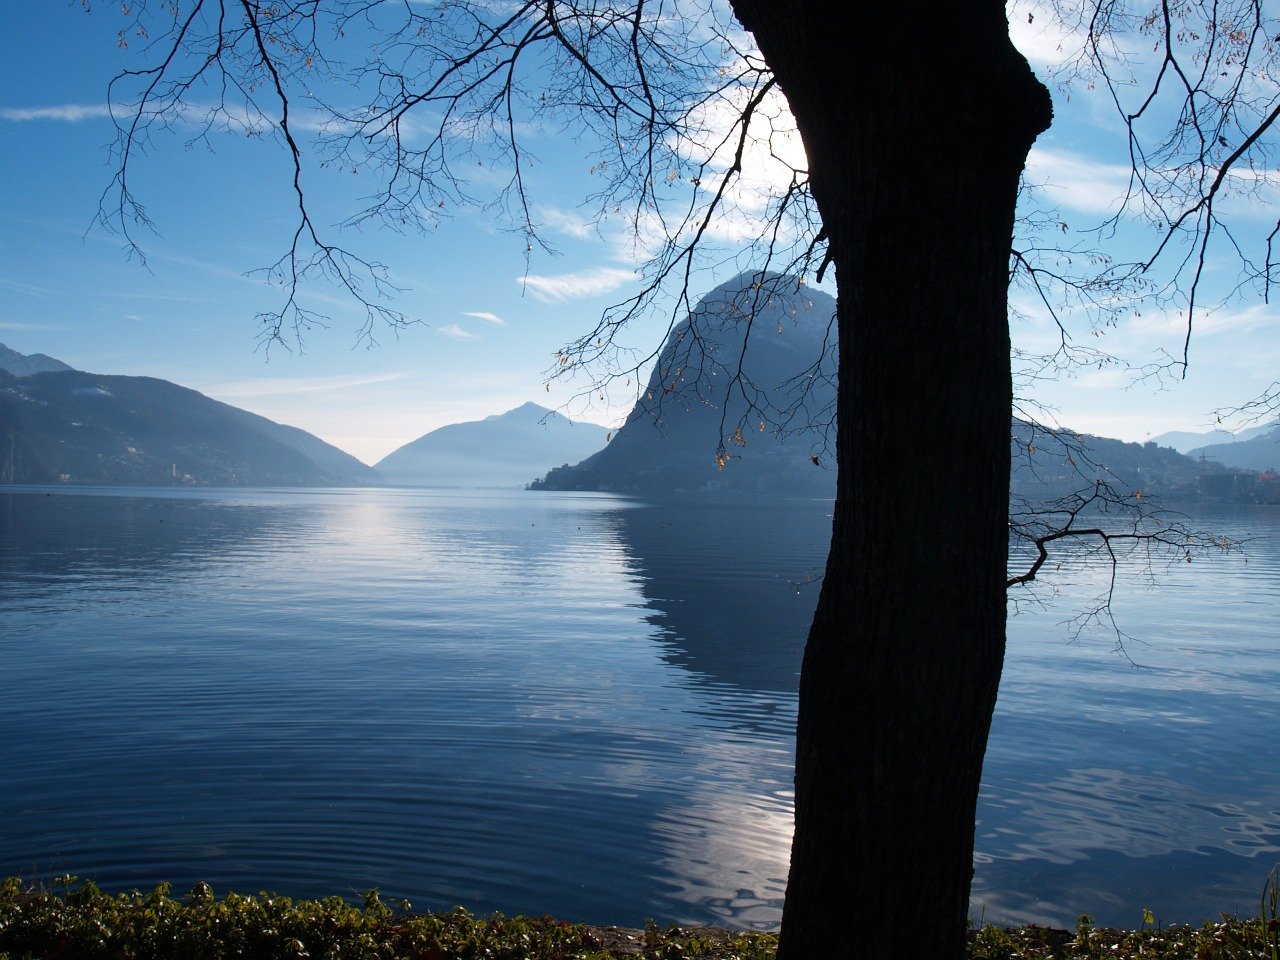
(49,537)
(1111,787)
(573,704)
(457,699)
(727,585)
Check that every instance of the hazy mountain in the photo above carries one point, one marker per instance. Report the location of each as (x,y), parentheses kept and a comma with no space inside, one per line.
(340,466)
(89,428)
(1184,441)
(24,365)
(1189,442)
(1249,433)
(1257,448)
(505,450)
(698,398)
(1055,463)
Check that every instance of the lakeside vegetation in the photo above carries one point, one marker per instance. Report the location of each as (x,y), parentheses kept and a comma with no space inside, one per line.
(78,920)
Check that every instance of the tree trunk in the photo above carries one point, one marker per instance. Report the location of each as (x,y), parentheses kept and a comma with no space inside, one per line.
(917,122)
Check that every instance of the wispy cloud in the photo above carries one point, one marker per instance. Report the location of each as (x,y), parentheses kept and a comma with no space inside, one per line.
(487,317)
(159,297)
(457,333)
(1078,183)
(280,386)
(24,287)
(564,222)
(17,325)
(1240,321)
(575,286)
(235,117)
(66,112)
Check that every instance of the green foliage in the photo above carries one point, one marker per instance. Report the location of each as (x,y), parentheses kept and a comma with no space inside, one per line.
(1228,939)
(80,921)
(679,943)
(77,920)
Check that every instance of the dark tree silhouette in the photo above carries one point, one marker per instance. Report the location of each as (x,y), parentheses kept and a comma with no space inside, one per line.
(916,118)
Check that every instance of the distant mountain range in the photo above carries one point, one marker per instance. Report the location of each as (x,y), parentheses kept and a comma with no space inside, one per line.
(1193,444)
(506,450)
(61,424)
(1184,441)
(740,402)
(58,424)
(1257,448)
(763,406)
(1050,463)
(24,365)
(1254,448)
(668,444)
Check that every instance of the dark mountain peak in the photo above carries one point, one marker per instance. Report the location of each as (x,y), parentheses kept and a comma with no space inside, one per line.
(749,280)
(741,400)
(741,395)
(26,365)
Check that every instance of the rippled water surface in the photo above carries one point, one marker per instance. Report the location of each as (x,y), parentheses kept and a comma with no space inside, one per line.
(575,704)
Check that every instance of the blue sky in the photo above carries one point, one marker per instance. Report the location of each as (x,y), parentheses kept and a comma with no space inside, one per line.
(491,323)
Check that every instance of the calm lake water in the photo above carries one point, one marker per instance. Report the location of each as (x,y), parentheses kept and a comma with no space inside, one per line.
(575,704)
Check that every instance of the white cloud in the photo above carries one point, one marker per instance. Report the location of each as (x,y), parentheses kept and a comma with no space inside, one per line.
(239,118)
(16,325)
(457,333)
(278,386)
(771,155)
(486,316)
(67,112)
(1078,183)
(1235,321)
(569,224)
(1040,34)
(575,286)
(772,158)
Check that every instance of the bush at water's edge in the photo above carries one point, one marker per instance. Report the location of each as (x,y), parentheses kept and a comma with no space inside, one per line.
(77,920)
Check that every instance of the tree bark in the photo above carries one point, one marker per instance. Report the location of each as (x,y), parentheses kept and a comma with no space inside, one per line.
(917,123)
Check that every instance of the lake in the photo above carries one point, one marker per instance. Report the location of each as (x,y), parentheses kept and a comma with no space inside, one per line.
(576,704)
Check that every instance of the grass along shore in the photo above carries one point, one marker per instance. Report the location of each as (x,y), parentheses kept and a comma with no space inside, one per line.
(77,921)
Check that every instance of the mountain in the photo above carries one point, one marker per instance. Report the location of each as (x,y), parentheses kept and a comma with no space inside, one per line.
(89,428)
(1257,448)
(505,450)
(668,443)
(24,365)
(1055,463)
(1249,433)
(1184,441)
(1190,443)
(337,465)
(765,406)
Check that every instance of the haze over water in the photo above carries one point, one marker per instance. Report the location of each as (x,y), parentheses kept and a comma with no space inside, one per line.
(573,704)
